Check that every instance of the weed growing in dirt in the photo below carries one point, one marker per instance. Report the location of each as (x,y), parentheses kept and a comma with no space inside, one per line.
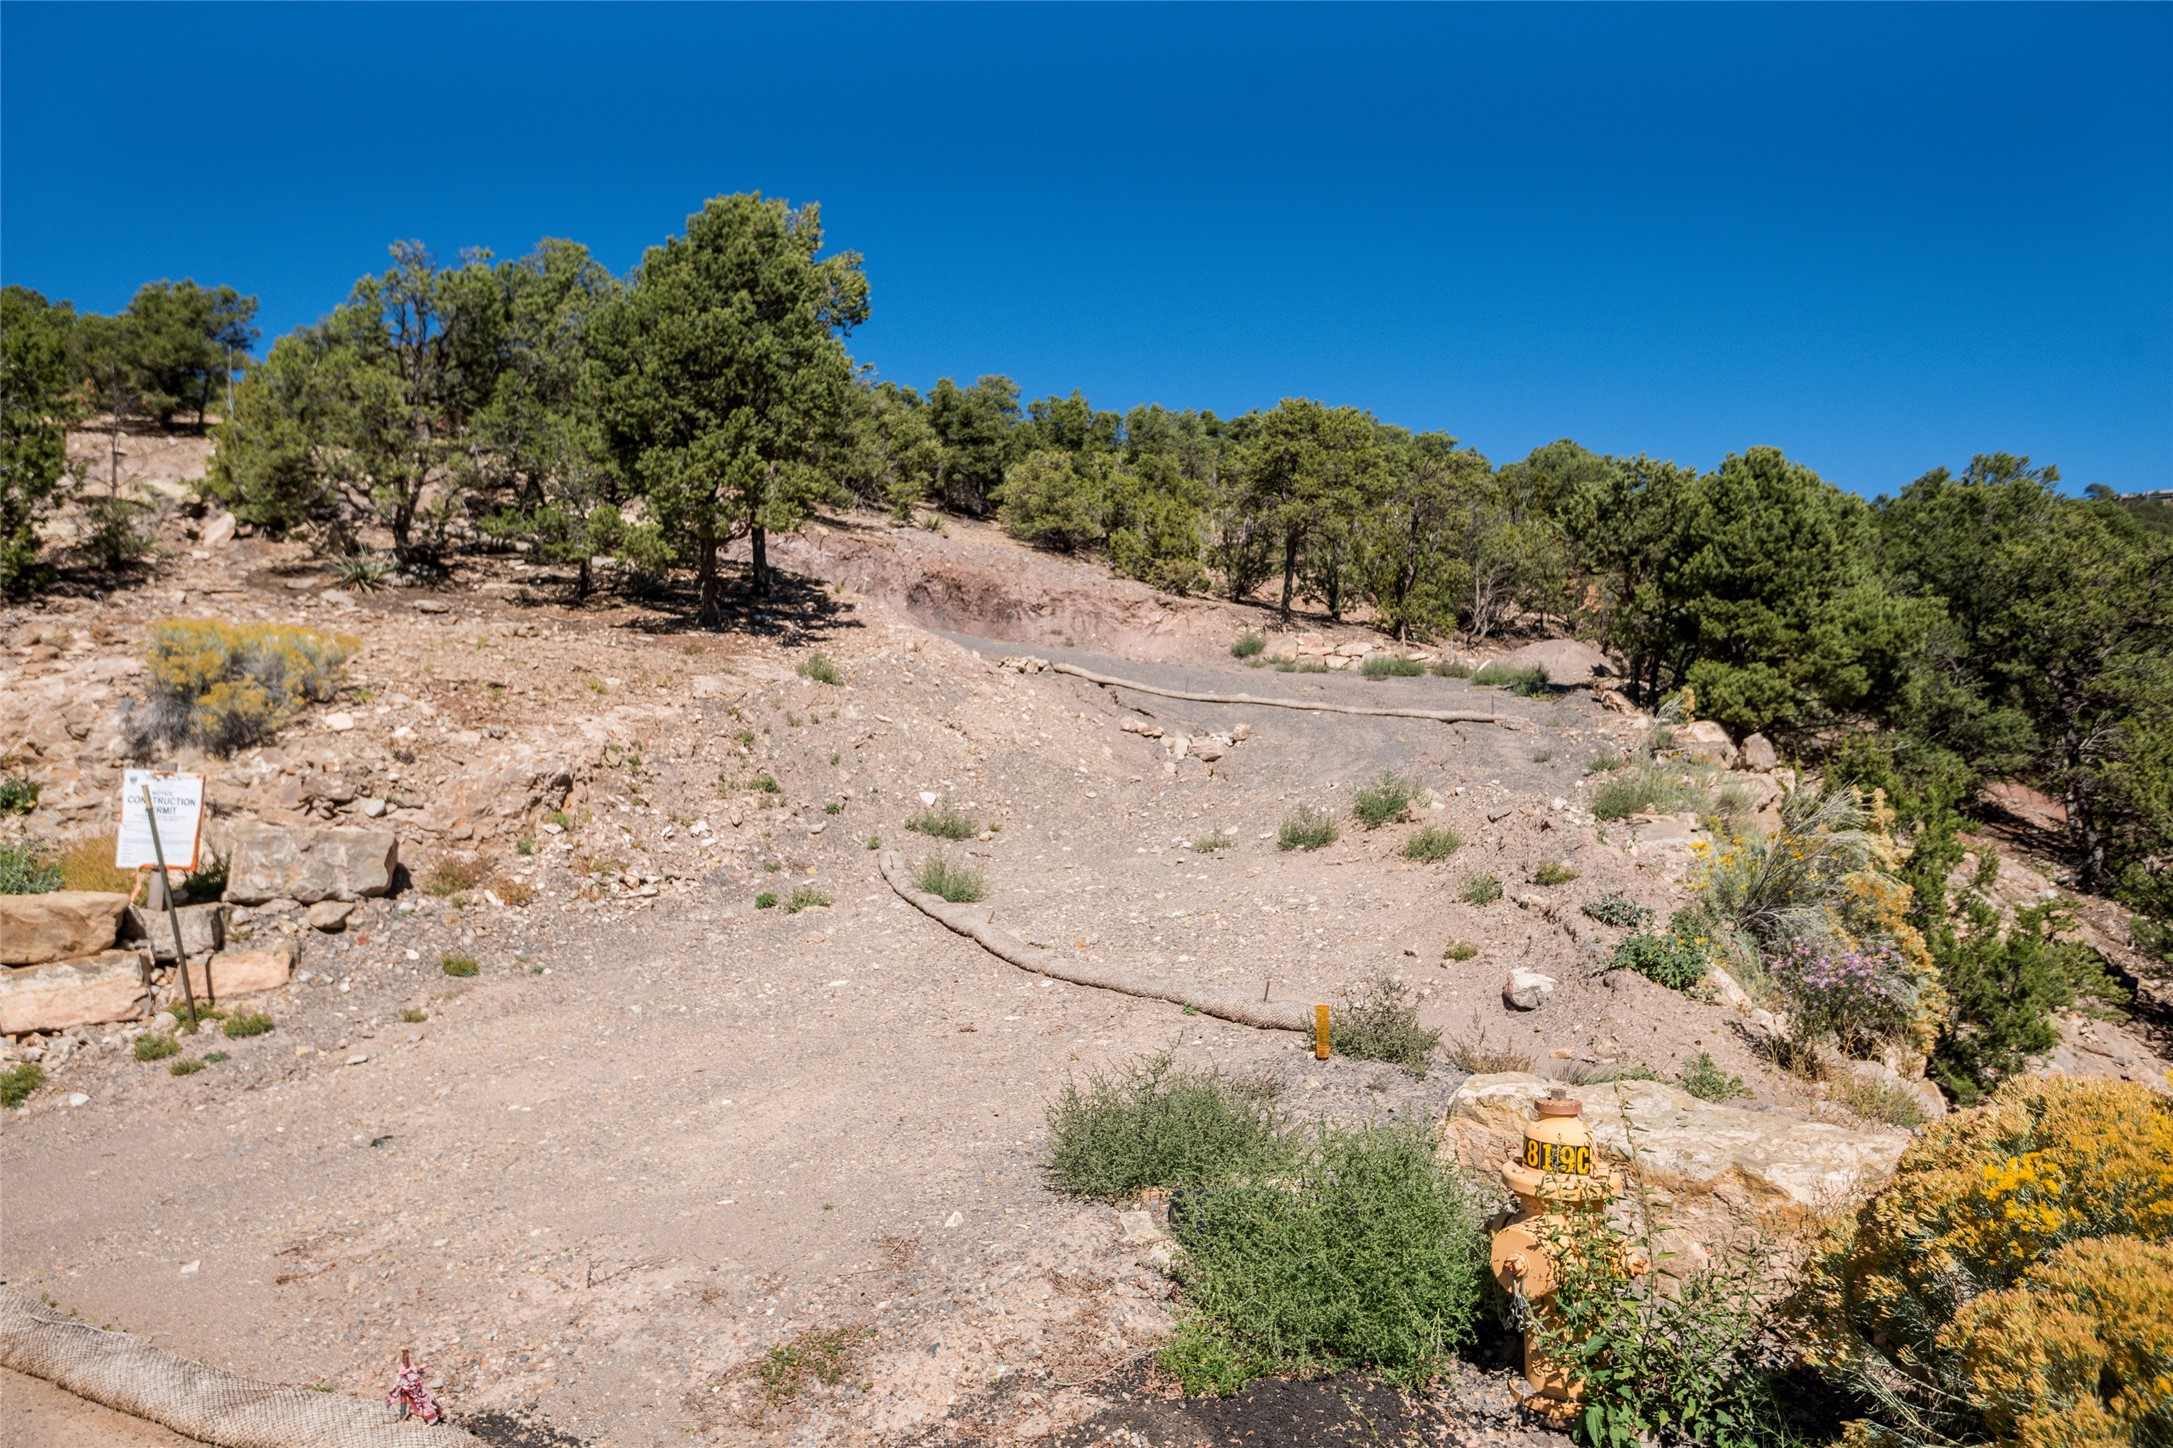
(1877,1099)
(875,842)
(943,823)
(766,900)
(1703,1078)
(1643,789)
(959,884)
(817,666)
(1552,872)
(1432,844)
(18,794)
(25,870)
(17,1082)
(213,1058)
(765,783)
(463,966)
(1213,840)
(455,875)
(1390,666)
(87,864)
(1605,764)
(1450,669)
(204,1014)
(1386,799)
(833,807)
(362,572)
(413,1017)
(516,894)
(1479,890)
(1525,682)
(745,738)
(154,1047)
(806,897)
(1153,1125)
(1542,756)
(1606,1071)
(1307,828)
(1618,909)
(1459,950)
(1379,1022)
(1248,643)
(771,867)
(596,686)
(560,818)
(823,1356)
(1369,1255)
(186,1066)
(250,1023)
(524,846)
(1668,957)
(1473,1052)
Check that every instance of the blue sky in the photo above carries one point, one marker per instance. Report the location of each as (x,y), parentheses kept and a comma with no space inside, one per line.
(1882,238)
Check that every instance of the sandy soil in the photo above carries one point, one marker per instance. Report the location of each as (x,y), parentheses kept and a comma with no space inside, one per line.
(665,1132)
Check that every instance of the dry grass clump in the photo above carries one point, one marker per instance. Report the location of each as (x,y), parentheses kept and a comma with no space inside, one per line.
(225,686)
(806,897)
(943,823)
(513,892)
(1473,1052)
(1387,798)
(1479,889)
(245,1023)
(1432,844)
(1307,828)
(1390,666)
(1525,682)
(1379,1022)
(817,666)
(960,884)
(87,864)
(455,875)
(462,967)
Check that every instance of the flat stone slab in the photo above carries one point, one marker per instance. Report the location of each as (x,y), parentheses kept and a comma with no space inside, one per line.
(296,862)
(58,925)
(85,992)
(233,973)
(203,928)
(1683,1144)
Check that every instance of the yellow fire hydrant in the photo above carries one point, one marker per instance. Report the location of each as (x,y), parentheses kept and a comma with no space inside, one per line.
(1558,1173)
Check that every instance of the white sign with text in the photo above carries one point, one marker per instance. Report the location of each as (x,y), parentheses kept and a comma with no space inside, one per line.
(179,800)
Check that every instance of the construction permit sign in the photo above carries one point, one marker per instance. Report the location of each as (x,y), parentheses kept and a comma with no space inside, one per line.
(179,800)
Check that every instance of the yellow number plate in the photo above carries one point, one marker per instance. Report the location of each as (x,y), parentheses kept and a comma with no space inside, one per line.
(1550,1157)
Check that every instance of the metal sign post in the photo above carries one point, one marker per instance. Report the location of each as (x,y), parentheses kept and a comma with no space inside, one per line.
(173,914)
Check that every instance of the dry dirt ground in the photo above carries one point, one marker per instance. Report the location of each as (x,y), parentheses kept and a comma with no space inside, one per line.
(667,1145)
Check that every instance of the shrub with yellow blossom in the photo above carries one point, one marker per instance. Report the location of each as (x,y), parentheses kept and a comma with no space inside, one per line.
(1900,1298)
(227,685)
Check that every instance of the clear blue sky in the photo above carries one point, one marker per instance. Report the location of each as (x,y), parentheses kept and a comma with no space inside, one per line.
(1880,238)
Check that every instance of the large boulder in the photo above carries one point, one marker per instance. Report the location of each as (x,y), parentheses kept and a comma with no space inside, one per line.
(203,928)
(60,925)
(85,992)
(1759,1160)
(1568,662)
(293,862)
(1706,740)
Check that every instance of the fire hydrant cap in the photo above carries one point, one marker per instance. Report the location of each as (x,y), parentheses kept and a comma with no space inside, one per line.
(1560,1106)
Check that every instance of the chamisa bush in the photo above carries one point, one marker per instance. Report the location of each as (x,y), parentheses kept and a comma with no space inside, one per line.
(2009,1284)
(225,686)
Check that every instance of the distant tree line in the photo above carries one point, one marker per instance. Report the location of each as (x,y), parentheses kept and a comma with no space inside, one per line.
(1977,625)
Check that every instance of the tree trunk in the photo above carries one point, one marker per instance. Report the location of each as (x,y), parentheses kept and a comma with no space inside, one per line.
(1290,570)
(581,584)
(758,553)
(705,574)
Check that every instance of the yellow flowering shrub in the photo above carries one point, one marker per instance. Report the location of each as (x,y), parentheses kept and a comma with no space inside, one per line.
(2079,1352)
(226,685)
(1895,1297)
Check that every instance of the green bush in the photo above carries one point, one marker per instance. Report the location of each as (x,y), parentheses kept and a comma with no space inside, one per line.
(2003,987)
(959,884)
(1644,789)
(817,666)
(943,823)
(1526,682)
(18,794)
(256,1023)
(1703,1078)
(1248,643)
(1307,828)
(1672,959)
(1664,1355)
(186,1066)
(1370,1255)
(1432,844)
(806,897)
(1618,909)
(766,900)
(18,1081)
(1450,669)
(1479,890)
(465,967)
(1155,1126)
(26,870)
(1390,666)
(362,572)
(155,1047)
(1379,1022)
(1552,872)
(1386,799)
(1213,840)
